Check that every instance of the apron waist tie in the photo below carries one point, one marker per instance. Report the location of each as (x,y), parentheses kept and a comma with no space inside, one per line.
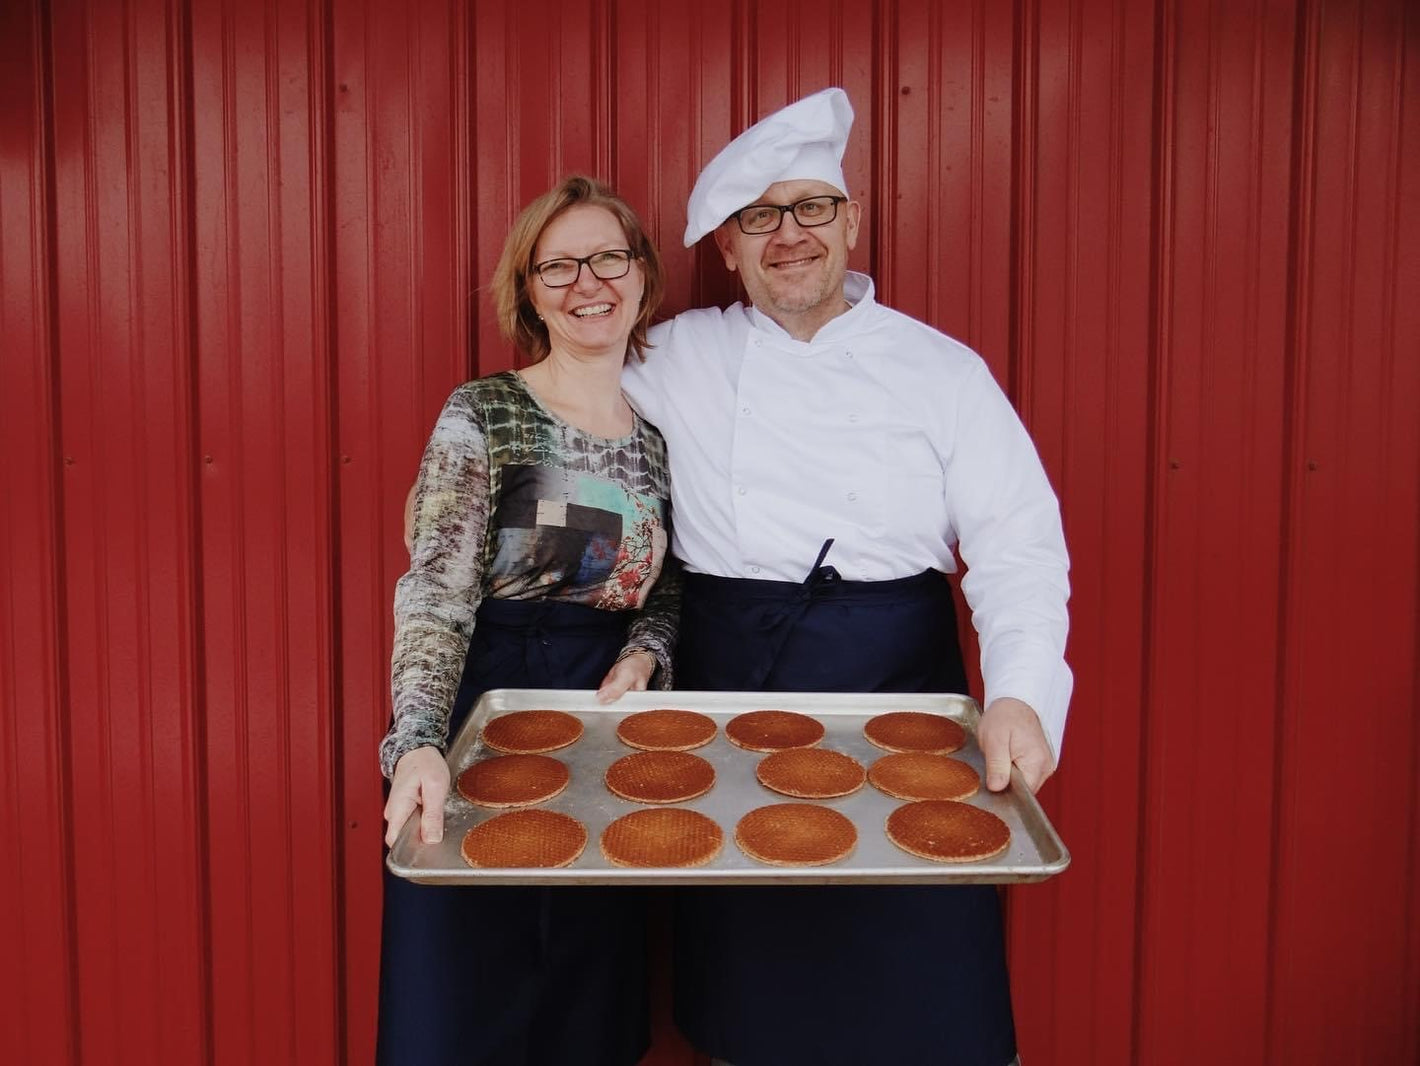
(778,622)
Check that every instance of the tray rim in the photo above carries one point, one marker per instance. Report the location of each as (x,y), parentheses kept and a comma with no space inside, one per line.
(1054,856)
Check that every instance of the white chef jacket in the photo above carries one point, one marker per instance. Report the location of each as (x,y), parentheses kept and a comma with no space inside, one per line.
(881,433)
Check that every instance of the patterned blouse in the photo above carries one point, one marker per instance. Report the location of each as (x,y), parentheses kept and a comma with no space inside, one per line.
(514,503)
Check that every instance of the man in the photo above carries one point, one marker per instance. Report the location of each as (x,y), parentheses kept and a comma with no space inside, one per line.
(827,456)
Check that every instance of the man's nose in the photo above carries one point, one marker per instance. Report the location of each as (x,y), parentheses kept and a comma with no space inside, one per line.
(789,230)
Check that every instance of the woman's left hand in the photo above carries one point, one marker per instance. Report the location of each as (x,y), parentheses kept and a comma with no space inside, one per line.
(631,674)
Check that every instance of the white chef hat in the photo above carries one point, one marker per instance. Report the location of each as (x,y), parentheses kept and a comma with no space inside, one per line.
(803,141)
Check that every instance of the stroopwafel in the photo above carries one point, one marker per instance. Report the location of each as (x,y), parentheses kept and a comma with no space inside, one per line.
(666,730)
(947,831)
(513,780)
(521,839)
(531,732)
(773,730)
(810,773)
(915,731)
(919,775)
(660,776)
(795,834)
(662,836)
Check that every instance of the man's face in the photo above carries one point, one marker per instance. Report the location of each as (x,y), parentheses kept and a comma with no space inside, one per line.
(795,274)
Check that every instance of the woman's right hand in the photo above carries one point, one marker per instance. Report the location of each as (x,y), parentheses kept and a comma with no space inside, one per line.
(421,779)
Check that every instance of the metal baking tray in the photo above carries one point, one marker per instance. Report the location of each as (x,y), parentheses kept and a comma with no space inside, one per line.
(1034,854)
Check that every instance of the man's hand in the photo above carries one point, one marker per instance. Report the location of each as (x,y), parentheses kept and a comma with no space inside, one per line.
(1010,733)
(632,674)
(421,779)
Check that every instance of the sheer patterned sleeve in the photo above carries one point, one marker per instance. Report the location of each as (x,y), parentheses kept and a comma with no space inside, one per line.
(435,602)
(656,625)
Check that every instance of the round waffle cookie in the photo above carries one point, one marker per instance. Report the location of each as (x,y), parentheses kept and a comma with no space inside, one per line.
(812,773)
(531,732)
(919,775)
(513,780)
(773,730)
(660,776)
(915,731)
(662,836)
(795,834)
(666,730)
(524,839)
(947,831)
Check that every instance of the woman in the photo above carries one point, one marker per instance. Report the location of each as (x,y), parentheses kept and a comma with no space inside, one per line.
(539,532)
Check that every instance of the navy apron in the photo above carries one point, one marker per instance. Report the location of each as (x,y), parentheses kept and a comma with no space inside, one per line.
(496,975)
(776,975)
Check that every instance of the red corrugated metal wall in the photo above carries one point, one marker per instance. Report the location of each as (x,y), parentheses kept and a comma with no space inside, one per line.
(241,251)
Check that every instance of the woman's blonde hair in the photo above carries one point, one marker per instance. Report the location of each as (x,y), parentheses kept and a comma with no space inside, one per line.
(517,319)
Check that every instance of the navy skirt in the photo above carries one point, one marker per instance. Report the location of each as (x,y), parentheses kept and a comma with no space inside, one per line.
(511,975)
(835,975)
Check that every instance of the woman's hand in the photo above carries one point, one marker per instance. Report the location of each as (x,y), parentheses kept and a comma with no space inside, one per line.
(631,674)
(421,779)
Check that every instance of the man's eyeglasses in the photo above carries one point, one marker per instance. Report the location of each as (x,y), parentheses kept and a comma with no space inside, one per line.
(766,218)
(608,265)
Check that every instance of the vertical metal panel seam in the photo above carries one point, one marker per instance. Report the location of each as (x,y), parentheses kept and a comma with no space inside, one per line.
(1025,153)
(324,396)
(1253,297)
(793,65)
(603,92)
(274,167)
(92,343)
(1074,184)
(241,731)
(64,756)
(838,53)
(465,194)
(1353,130)
(1161,248)
(874,220)
(652,128)
(1114,328)
(184,182)
(885,57)
(512,123)
(743,104)
(1386,359)
(929,211)
(323,195)
(1300,250)
(1020,329)
(413,135)
(1411,1024)
(976,299)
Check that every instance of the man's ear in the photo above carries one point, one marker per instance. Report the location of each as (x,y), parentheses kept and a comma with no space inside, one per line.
(855,216)
(725,242)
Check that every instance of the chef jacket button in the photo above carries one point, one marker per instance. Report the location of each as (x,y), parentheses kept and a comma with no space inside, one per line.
(851,495)
(744,410)
(754,569)
(741,490)
(852,418)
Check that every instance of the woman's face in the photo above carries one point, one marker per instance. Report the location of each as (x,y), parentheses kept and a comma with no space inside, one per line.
(590,317)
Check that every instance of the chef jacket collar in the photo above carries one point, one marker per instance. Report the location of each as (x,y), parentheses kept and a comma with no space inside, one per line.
(857,290)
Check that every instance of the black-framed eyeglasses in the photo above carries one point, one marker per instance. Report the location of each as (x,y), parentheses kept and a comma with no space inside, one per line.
(608,265)
(808,212)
